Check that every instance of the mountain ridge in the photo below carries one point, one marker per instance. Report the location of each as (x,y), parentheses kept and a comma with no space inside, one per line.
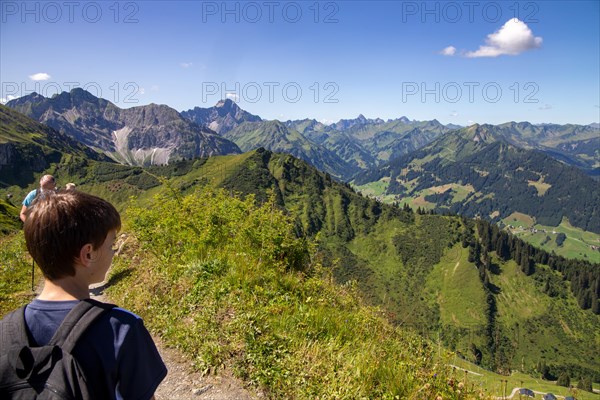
(28,147)
(221,118)
(276,136)
(142,135)
(497,178)
(361,142)
(390,252)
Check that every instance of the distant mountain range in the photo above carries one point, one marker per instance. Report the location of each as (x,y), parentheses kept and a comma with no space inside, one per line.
(577,145)
(28,148)
(367,143)
(145,135)
(157,134)
(481,170)
(478,171)
(455,279)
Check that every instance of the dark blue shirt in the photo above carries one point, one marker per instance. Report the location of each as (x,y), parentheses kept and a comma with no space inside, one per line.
(116,353)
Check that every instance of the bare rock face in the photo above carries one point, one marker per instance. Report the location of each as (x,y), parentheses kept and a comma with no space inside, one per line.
(29,147)
(145,135)
(223,117)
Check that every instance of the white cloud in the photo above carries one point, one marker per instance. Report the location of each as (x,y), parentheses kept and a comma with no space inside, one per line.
(326,121)
(546,107)
(454,114)
(7,99)
(154,88)
(186,65)
(513,38)
(141,91)
(233,97)
(40,76)
(470,122)
(448,51)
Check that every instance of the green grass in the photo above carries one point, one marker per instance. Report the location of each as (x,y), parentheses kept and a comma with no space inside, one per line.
(233,288)
(536,324)
(577,244)
(520,220)
(460,294)
(373,189)
(9,216)
(494,385)
(461,192)
(15,273)
(386,271)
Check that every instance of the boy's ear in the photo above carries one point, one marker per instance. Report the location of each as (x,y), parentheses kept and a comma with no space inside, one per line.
(86,254)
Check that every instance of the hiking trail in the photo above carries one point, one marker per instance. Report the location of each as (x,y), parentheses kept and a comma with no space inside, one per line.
(182,382)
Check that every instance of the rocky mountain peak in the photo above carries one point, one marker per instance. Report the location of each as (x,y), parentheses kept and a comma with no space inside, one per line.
(143,135)
(222,117)
(227,104)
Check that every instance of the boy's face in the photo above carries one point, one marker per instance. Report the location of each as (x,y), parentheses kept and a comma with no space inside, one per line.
(104,256)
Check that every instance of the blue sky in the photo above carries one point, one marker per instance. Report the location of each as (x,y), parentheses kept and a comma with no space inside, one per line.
(459,62)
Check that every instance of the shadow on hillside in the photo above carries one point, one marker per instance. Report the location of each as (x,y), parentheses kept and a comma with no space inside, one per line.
(495,269)
(493,288)
(116,278)
(113,280)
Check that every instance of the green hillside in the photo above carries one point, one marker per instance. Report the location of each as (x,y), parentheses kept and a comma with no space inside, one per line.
(9,216)
(393,253)
(577,243)
(28,148)
(475,172)
(232,286)
(491,298)
(277,137)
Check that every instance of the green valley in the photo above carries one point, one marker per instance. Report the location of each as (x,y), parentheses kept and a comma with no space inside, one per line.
(260,263)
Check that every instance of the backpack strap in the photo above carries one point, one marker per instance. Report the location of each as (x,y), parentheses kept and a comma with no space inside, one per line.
(13,330)
(77,321)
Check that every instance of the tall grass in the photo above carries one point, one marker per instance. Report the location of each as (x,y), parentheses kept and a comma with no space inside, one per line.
(15,273)
(228,282)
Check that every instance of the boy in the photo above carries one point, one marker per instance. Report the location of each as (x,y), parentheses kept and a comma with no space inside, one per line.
(71,235)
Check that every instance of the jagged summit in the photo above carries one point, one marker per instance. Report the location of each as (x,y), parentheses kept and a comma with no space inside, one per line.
(28,147)
(222,117)
(480,133)
(227,103)
(143,135)
(29,97)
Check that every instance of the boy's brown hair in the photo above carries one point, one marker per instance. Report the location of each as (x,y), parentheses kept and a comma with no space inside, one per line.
(58,226)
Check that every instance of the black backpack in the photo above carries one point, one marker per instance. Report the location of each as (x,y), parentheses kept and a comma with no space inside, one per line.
(45,372)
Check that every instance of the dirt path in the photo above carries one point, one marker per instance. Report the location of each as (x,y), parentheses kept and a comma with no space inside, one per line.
(182,383)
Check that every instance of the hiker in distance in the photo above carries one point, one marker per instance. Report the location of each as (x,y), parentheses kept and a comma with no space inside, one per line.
(47,185)
(71,236)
